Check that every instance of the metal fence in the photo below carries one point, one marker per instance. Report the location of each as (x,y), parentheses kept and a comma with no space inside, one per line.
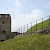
(35,25)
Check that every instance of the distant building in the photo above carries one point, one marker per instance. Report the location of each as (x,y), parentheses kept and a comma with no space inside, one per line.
(5,26)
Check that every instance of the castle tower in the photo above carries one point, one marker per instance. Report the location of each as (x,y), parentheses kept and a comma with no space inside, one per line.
(5,26)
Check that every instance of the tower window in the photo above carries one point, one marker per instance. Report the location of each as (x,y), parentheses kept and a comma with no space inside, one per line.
(4,31)
(2,22)
(6,15)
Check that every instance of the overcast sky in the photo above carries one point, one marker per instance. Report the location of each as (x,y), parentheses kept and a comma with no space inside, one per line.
(24,11)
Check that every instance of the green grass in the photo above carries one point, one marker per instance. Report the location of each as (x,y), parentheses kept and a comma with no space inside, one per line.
(29,42)
(39,26)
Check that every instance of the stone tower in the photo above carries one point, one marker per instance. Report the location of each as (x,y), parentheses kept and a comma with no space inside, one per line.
(5,26)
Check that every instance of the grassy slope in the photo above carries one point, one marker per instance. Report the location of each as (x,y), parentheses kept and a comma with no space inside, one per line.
(39,25)
(29,42)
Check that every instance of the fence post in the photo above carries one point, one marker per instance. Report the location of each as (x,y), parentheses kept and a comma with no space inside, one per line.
(24,28)
(49,20)
(21,29)
(42,23)
(36,25)
(27,28)
(31,28)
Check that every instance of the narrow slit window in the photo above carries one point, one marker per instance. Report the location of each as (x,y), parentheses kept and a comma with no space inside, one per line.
(3,31)
(3,22)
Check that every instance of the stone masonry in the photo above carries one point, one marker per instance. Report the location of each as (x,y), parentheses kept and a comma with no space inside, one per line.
(5,26)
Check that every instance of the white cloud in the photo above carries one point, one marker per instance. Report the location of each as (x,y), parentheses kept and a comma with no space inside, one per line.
(37,14)
(18,3)
(22,19)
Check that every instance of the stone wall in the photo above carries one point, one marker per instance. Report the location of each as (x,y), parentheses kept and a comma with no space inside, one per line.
(5,26)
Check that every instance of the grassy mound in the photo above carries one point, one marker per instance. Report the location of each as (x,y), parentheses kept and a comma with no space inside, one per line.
(29,42)
(39,26)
